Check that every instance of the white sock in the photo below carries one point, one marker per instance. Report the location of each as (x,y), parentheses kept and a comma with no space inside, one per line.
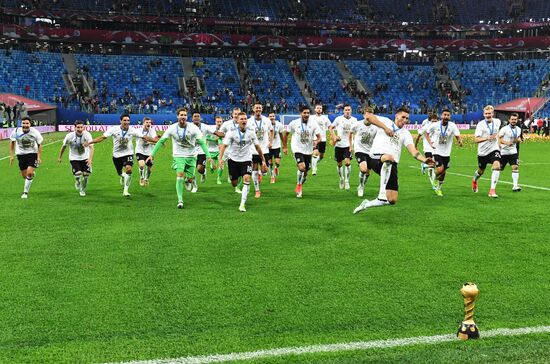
(385,172)
(256,180)
(363,179)
(314,161)
(28,183)
(340,172)
(142,172)
(377,203)
(515,178)
(494,179)
(347,172)
(147,172)
(127,179)
(439,183)
(77,178)
(300,177)
(271,170)
(476,176)
(83,183)
(244,194)
(431,174)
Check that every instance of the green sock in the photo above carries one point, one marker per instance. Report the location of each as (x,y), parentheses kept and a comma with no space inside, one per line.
(240,185)
(179,188)
(220,173)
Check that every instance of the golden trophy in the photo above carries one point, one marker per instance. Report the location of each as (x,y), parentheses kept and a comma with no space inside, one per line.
(468,329)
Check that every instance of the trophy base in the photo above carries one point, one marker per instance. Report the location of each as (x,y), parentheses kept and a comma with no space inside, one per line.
(467,331)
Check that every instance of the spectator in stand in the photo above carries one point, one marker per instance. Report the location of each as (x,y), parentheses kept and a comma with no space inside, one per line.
(540,125)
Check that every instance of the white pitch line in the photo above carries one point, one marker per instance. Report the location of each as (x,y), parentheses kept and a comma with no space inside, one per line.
(500,181)
(335,348)
(57,141)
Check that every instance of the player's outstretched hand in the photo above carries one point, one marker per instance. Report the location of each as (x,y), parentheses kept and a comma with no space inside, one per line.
(86,144)
(89,163)
(285,150)
(11,161)
(430,161)
(264,167)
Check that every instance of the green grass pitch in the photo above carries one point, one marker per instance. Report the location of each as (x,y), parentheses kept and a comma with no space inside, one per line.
(104,278)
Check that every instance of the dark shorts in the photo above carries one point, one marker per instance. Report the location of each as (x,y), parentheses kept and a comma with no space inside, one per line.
(393,182)
(201,160)
(143,157)
(238,169)
(483,160)
(303,158)
(321,147)
(428,154)
(341,153)
(363,157)
(121,162)
(80,166)
(256,158)
(442,161)
(27,160)
(275,153)
(511,159)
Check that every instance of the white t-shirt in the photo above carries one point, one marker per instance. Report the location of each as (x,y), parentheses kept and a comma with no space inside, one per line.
(77,151)
(211,138)
(278,128)
(509,135)
(323,122)
(342,127)
(204,129)
(303,136)
(426,147)
(483,130)
(383,144)
(184,140)
(122,140)
(241,144)
(363,136)
(142,146)
(26,143)
(442,137)
(262,128)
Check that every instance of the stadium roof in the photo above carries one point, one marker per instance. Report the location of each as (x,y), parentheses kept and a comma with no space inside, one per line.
(31,105)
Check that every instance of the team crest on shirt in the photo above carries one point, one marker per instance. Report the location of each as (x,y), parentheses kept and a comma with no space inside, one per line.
(395,139)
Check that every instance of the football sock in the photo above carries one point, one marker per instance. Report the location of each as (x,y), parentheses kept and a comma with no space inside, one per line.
(439,183)
(476,176)
(179,188)
(340,172)
(314,161)
(256,180)
(220,172)
(385,172)
(494,179)
(147,172)
(244,194)
(127,179)
(515,178)
(142,172)
(84,183)
(300,177)
(28,183)
(347,171)
(431,174)
(363,179)
(77,178)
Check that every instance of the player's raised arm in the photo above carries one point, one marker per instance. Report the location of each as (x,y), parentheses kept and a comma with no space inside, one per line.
(373,119)
(99,139)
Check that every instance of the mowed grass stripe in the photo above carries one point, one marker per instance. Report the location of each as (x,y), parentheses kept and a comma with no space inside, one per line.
(335,348)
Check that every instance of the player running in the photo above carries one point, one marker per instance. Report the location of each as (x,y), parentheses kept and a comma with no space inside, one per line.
(320,149)
(201,156)
(385,153)
(123,149)
(488,149)
(343,144)
(509,137)
(144,149)
(230,125)
(239,142)
(426,147)
(213,143)
(185,137)
(264,132)
(364,133)
(80,156)
(26,143)
(275,150)
(440,137)
(305,135)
